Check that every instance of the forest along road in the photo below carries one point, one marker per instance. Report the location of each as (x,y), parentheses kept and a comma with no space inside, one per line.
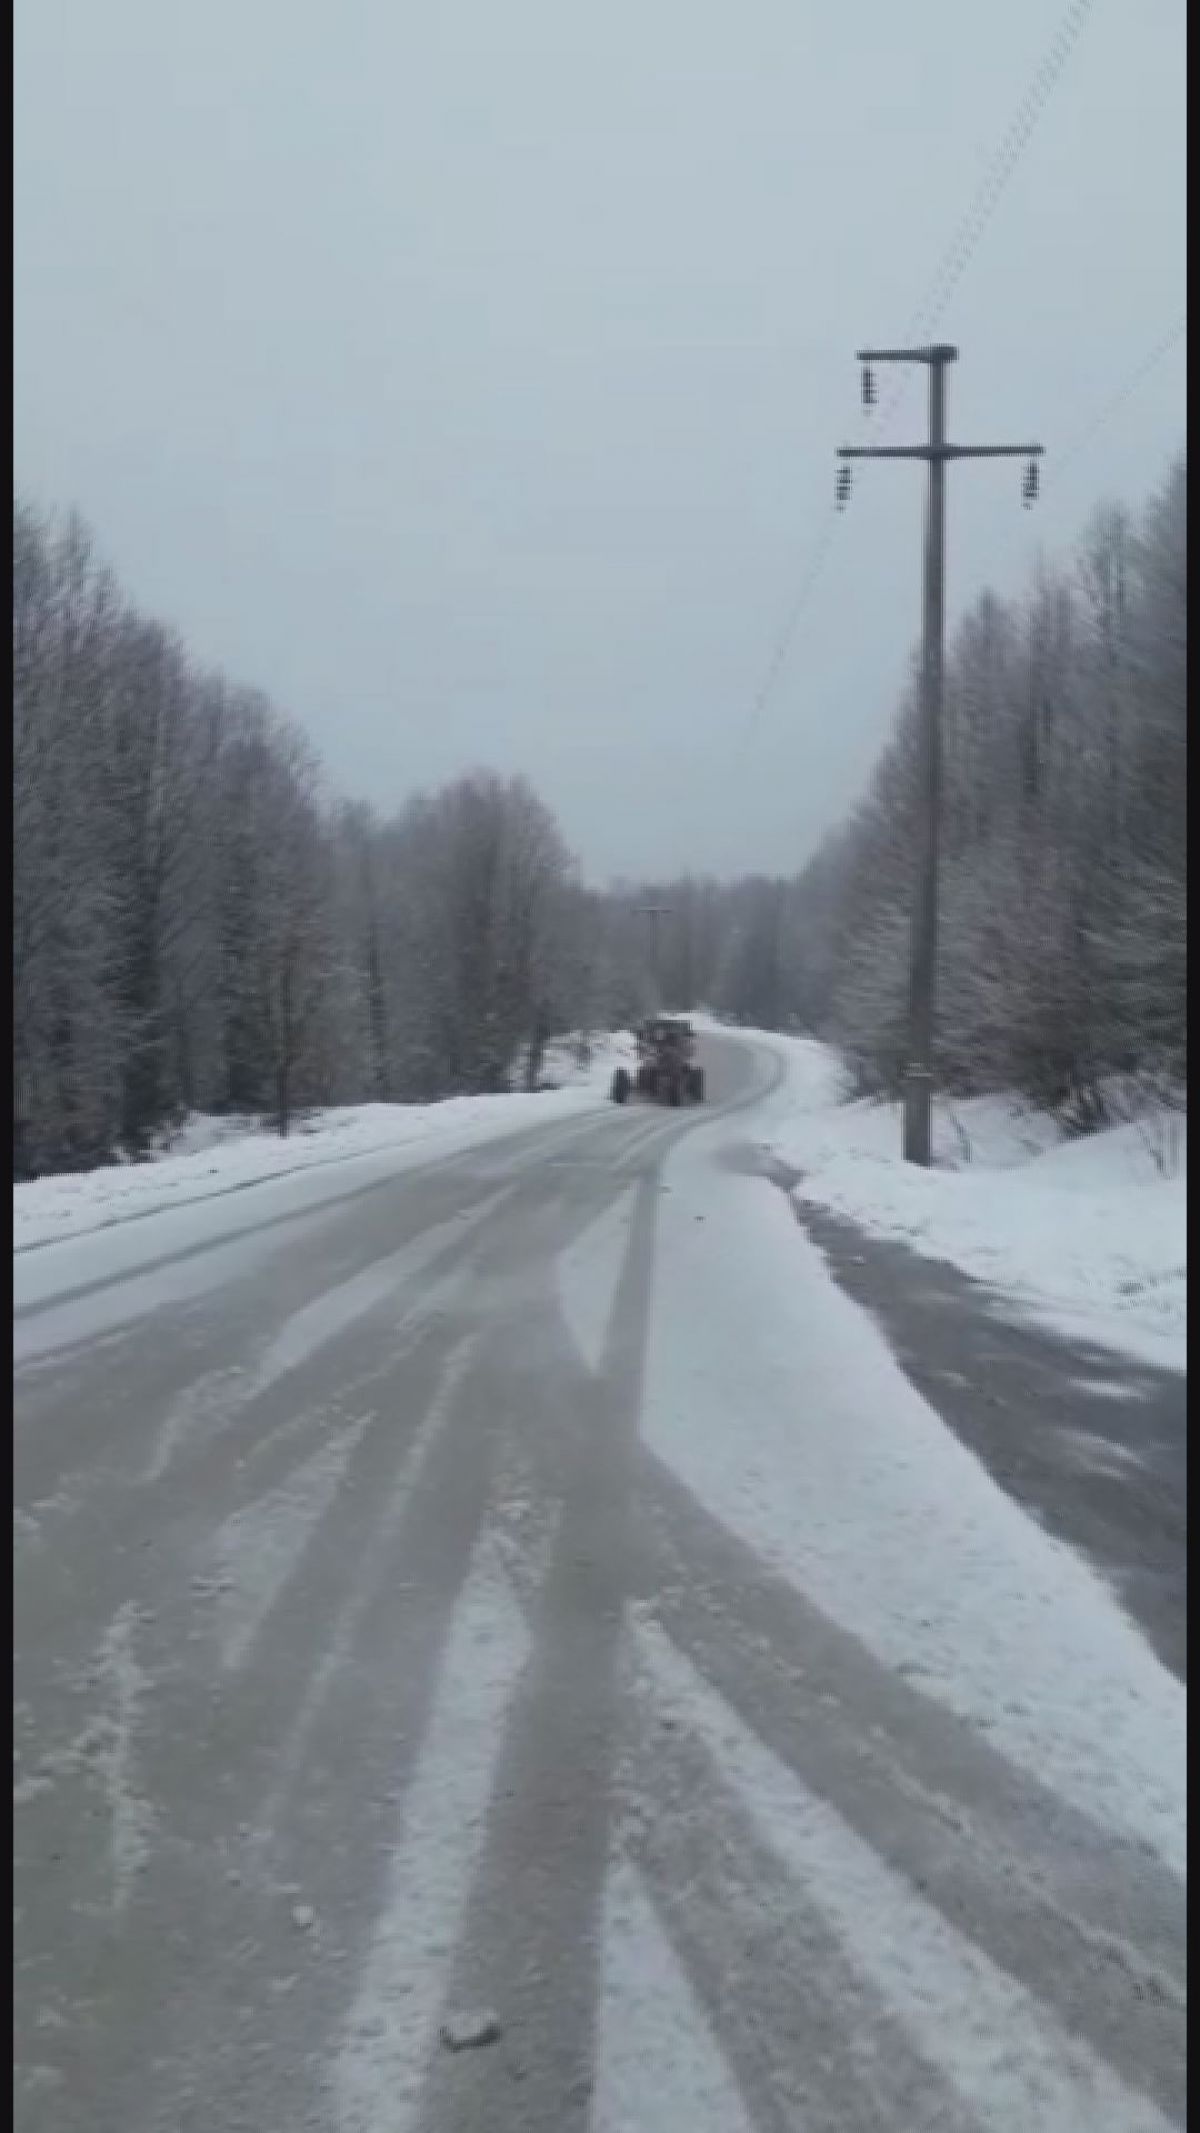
(503,1646)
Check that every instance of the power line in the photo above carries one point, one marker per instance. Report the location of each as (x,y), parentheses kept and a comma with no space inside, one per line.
(1116,400)
(964,243)
(953,264)
(1086,435)
(778,659)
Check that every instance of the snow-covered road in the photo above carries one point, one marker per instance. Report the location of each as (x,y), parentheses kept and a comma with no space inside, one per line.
(525,1586)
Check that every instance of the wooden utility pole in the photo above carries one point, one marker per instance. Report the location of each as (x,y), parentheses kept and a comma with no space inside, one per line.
(922,998)
(654,914)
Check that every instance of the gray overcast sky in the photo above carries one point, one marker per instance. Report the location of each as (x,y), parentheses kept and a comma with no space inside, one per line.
(468,375)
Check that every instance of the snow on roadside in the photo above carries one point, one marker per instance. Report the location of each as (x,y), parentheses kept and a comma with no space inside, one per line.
(210,1157)
(779,1404)
(1088,1235)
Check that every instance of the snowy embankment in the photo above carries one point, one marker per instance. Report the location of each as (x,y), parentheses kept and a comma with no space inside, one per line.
(211,1157)
(783,1410)
(1089,1235)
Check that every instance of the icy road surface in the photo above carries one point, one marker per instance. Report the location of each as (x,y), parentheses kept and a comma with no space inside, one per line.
(501,1645)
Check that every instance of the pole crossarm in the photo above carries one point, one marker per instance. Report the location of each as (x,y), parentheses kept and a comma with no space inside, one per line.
(940,352)
(941,451)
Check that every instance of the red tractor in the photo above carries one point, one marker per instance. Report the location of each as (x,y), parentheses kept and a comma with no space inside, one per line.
(666,1068)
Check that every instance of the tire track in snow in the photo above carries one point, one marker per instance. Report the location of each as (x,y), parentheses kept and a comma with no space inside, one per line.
(330,1315)
(371,1565)
(257,1548)
(654,2039)
(390,2033)
(226,1400)
(1008,2058)
(808,2041)
(221,1398)
(211,1399)
(335,1820)
(587,1275)
(1096,1926)
(212,1404)
(105,1747)
(530,1943)
(131,1817)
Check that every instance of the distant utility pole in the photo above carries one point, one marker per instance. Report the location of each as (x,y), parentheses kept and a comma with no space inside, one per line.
(918,1080)
(654,914)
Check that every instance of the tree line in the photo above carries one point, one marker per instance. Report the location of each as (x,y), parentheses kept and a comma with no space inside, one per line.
(1063,916)
(199,926)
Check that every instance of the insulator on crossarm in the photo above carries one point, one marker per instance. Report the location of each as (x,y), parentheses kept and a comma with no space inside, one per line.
(1029,487)
(868,386)
(844,483)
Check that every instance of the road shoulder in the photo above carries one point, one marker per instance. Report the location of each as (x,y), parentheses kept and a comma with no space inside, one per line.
(1092,1444)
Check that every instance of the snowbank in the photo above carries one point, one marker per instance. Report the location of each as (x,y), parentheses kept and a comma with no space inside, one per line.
(210,1157)
(780,1405)
(1089,1235)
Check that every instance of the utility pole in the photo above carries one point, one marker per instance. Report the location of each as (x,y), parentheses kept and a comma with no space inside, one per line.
(922,993)
(654,914)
